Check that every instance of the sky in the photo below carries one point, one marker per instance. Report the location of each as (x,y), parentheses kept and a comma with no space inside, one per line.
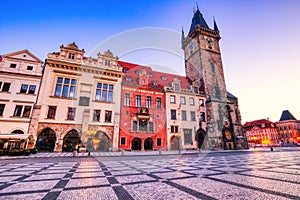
(260,40)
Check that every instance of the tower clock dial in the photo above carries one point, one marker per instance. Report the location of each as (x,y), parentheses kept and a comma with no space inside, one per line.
(209,42)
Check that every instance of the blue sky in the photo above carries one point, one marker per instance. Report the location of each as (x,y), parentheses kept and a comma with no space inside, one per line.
(260,39)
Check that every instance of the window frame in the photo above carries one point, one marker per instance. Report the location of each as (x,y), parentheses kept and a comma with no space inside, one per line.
(172,99)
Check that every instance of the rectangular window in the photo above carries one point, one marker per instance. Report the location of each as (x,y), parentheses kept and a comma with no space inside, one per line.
(158,102)
(201,102)
(71,55)
(151,126)
(172,99)
(176,86)
(174,129)
(98,92)
(24,88)
(123,140)
(110,93)
(173,114)
(2,106)
(27,111)
(192,101)
(134,125)
(104,92)
(187,136)
(107,62)
(158,142)
(202,116)
(183,115)
(138,101)
(51,112)
(13,65)
(65,87)
(148,102)
(193,116)
(71,113)
(196,90)
(127,99)
(96,116)
(18,111)
(108,115)
(182,100)
(29,67)
(31,89)
(143,125)
(5,87)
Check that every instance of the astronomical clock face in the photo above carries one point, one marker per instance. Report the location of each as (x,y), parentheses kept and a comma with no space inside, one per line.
(228,135)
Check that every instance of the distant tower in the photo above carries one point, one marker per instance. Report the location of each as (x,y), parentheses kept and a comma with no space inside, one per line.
(203,64)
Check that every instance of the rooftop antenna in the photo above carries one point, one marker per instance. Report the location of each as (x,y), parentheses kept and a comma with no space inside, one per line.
(197,5)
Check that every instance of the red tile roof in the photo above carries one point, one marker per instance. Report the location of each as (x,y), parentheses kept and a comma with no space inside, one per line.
(249,125)
(154,76)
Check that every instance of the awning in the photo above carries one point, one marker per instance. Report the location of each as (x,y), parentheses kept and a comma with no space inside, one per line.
(16,136)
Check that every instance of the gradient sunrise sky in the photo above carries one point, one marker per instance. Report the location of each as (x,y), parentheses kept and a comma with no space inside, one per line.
(260,40)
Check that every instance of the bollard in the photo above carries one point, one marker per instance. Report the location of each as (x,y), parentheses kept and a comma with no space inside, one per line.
(122,153)
(159,152)
(89,153)
(74,153)
(271,148)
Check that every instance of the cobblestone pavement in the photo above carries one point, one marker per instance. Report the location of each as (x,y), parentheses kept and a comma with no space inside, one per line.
(255,175)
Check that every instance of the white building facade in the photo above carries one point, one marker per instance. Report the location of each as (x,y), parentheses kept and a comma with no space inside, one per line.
(20,76)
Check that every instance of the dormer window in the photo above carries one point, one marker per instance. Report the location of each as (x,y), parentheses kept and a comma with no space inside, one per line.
(125,70)
(107,62)
(13,65)
(176,86)
(137,72)
(127,78)
(71,56)
(155,83)
(29,67)
(163,78)
(195,90)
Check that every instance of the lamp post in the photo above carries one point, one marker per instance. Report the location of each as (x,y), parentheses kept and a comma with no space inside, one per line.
(178,135)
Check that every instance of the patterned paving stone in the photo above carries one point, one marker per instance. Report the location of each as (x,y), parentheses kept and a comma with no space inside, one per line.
(30,186)
(256,175)
(87,194)
(224,191)
(24,196)
(161,191)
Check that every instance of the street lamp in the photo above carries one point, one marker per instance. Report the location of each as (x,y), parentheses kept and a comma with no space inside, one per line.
(178,135)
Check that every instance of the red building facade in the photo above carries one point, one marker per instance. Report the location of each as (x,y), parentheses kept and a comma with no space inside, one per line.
(142,117)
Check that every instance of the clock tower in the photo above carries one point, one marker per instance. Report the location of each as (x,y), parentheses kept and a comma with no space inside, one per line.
(203,65)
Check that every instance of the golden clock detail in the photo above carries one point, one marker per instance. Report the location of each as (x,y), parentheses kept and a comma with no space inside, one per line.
(228,135)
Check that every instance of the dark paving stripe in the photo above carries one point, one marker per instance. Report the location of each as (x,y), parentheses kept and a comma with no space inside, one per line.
(140,182)
(86,187)
(121,193)
(112,180)
(23,192)
(5,186)
(255,188)
(22,178)
(107,173)
(51,195)
(189,191)
(268,178)
(61,184)
(68,175)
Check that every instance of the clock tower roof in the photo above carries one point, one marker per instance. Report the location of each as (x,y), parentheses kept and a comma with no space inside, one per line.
(198,19)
